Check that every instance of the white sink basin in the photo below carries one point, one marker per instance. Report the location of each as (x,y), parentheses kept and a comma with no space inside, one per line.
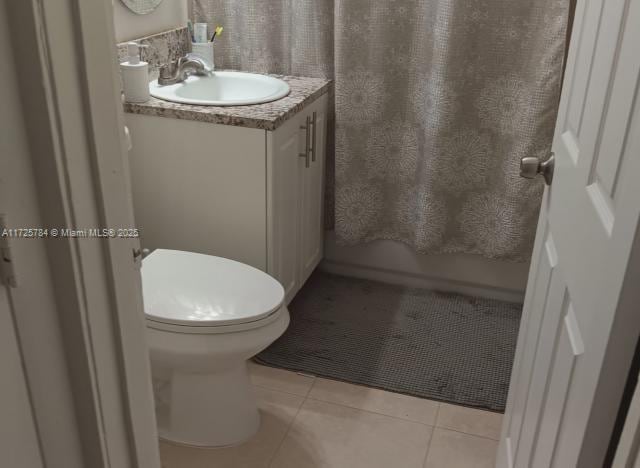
(222,89)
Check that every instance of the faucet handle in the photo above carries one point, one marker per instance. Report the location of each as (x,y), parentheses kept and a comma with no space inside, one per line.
(202,66)
(168,70)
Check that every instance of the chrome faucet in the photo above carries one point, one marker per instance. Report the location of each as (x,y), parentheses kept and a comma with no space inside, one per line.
(178,70)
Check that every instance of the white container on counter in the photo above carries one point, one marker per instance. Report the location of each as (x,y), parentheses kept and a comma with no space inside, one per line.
(135,75)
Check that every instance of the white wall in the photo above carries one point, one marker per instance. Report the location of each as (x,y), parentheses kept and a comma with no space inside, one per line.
(128,25)
(395,262)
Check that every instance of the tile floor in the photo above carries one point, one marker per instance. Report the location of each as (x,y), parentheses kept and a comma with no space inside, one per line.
(313,422)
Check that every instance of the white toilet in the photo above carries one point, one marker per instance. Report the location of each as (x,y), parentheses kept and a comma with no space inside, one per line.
(206,316)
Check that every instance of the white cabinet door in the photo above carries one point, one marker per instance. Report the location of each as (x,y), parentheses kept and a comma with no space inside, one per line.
(295,197)
(283,169)
(580,323)
(312,192)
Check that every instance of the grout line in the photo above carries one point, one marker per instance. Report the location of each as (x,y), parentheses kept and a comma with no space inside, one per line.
(439,426)
(468,433)
(286,433)
(306,376)
(313,382)
(426,455)
(438,414)
(371,412)
(439,404)
(280,391)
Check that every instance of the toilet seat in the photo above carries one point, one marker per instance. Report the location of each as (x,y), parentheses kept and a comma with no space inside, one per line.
(187,292)
(208,330)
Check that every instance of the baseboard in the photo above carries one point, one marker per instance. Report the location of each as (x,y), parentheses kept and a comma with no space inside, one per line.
(507,447)
(421,281)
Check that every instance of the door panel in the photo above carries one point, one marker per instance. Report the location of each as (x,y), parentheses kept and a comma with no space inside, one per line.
(561,375)
(283,165)
(567,380)
(546,348)
(18,437)
(580,60)
(522,375)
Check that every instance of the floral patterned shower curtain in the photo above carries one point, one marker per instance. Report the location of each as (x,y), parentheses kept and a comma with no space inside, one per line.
(436,101)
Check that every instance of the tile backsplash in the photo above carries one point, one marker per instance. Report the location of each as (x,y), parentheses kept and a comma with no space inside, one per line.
(163,47)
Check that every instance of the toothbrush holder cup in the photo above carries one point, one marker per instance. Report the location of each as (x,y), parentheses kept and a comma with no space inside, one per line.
(204,50)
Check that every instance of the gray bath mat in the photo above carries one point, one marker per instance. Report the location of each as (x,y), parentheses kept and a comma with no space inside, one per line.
(441,346)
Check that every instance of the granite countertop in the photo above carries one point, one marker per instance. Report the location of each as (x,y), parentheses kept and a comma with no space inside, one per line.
(267,116)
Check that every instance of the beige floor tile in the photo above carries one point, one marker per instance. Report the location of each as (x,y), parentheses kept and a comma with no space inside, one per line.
(449,449)
(332,436)
(280,379)
(470,420)
(377,401)
(277,410)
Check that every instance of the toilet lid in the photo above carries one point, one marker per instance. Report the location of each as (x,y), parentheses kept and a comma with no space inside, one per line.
(186,288)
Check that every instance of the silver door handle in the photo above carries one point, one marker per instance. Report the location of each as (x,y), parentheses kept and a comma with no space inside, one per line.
(530,167)
(312,149)
(307,129)
(139,254)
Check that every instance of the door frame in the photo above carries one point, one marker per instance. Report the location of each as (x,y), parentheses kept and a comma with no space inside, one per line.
(617,363)
(73,114)
(65,78)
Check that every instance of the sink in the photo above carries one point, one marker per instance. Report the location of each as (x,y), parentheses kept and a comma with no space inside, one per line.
(222,89)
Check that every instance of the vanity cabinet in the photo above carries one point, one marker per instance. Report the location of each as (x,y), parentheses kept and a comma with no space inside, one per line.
(296,160)
(248,194)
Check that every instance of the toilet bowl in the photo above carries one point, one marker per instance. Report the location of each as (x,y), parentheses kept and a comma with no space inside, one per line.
(206,316)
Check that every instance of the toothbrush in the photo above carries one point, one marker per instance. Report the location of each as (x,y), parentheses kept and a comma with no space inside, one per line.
(217,32)
(190,28)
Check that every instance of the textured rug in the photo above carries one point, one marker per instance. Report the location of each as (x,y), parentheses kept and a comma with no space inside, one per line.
(440,346)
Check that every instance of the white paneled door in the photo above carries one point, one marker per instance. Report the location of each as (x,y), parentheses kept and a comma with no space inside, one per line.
(576,337)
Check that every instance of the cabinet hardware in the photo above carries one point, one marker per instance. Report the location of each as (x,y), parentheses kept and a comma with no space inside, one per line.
(312,149)
(307,129)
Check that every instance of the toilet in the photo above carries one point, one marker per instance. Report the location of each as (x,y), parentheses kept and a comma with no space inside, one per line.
(206,316)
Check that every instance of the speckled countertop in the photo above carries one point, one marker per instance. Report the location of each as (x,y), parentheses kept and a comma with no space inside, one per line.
(268,116)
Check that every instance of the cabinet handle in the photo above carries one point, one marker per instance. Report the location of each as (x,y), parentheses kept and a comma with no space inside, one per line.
(307,129)
(312,149)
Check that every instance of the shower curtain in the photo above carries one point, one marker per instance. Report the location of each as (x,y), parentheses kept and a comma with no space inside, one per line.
(436,101)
